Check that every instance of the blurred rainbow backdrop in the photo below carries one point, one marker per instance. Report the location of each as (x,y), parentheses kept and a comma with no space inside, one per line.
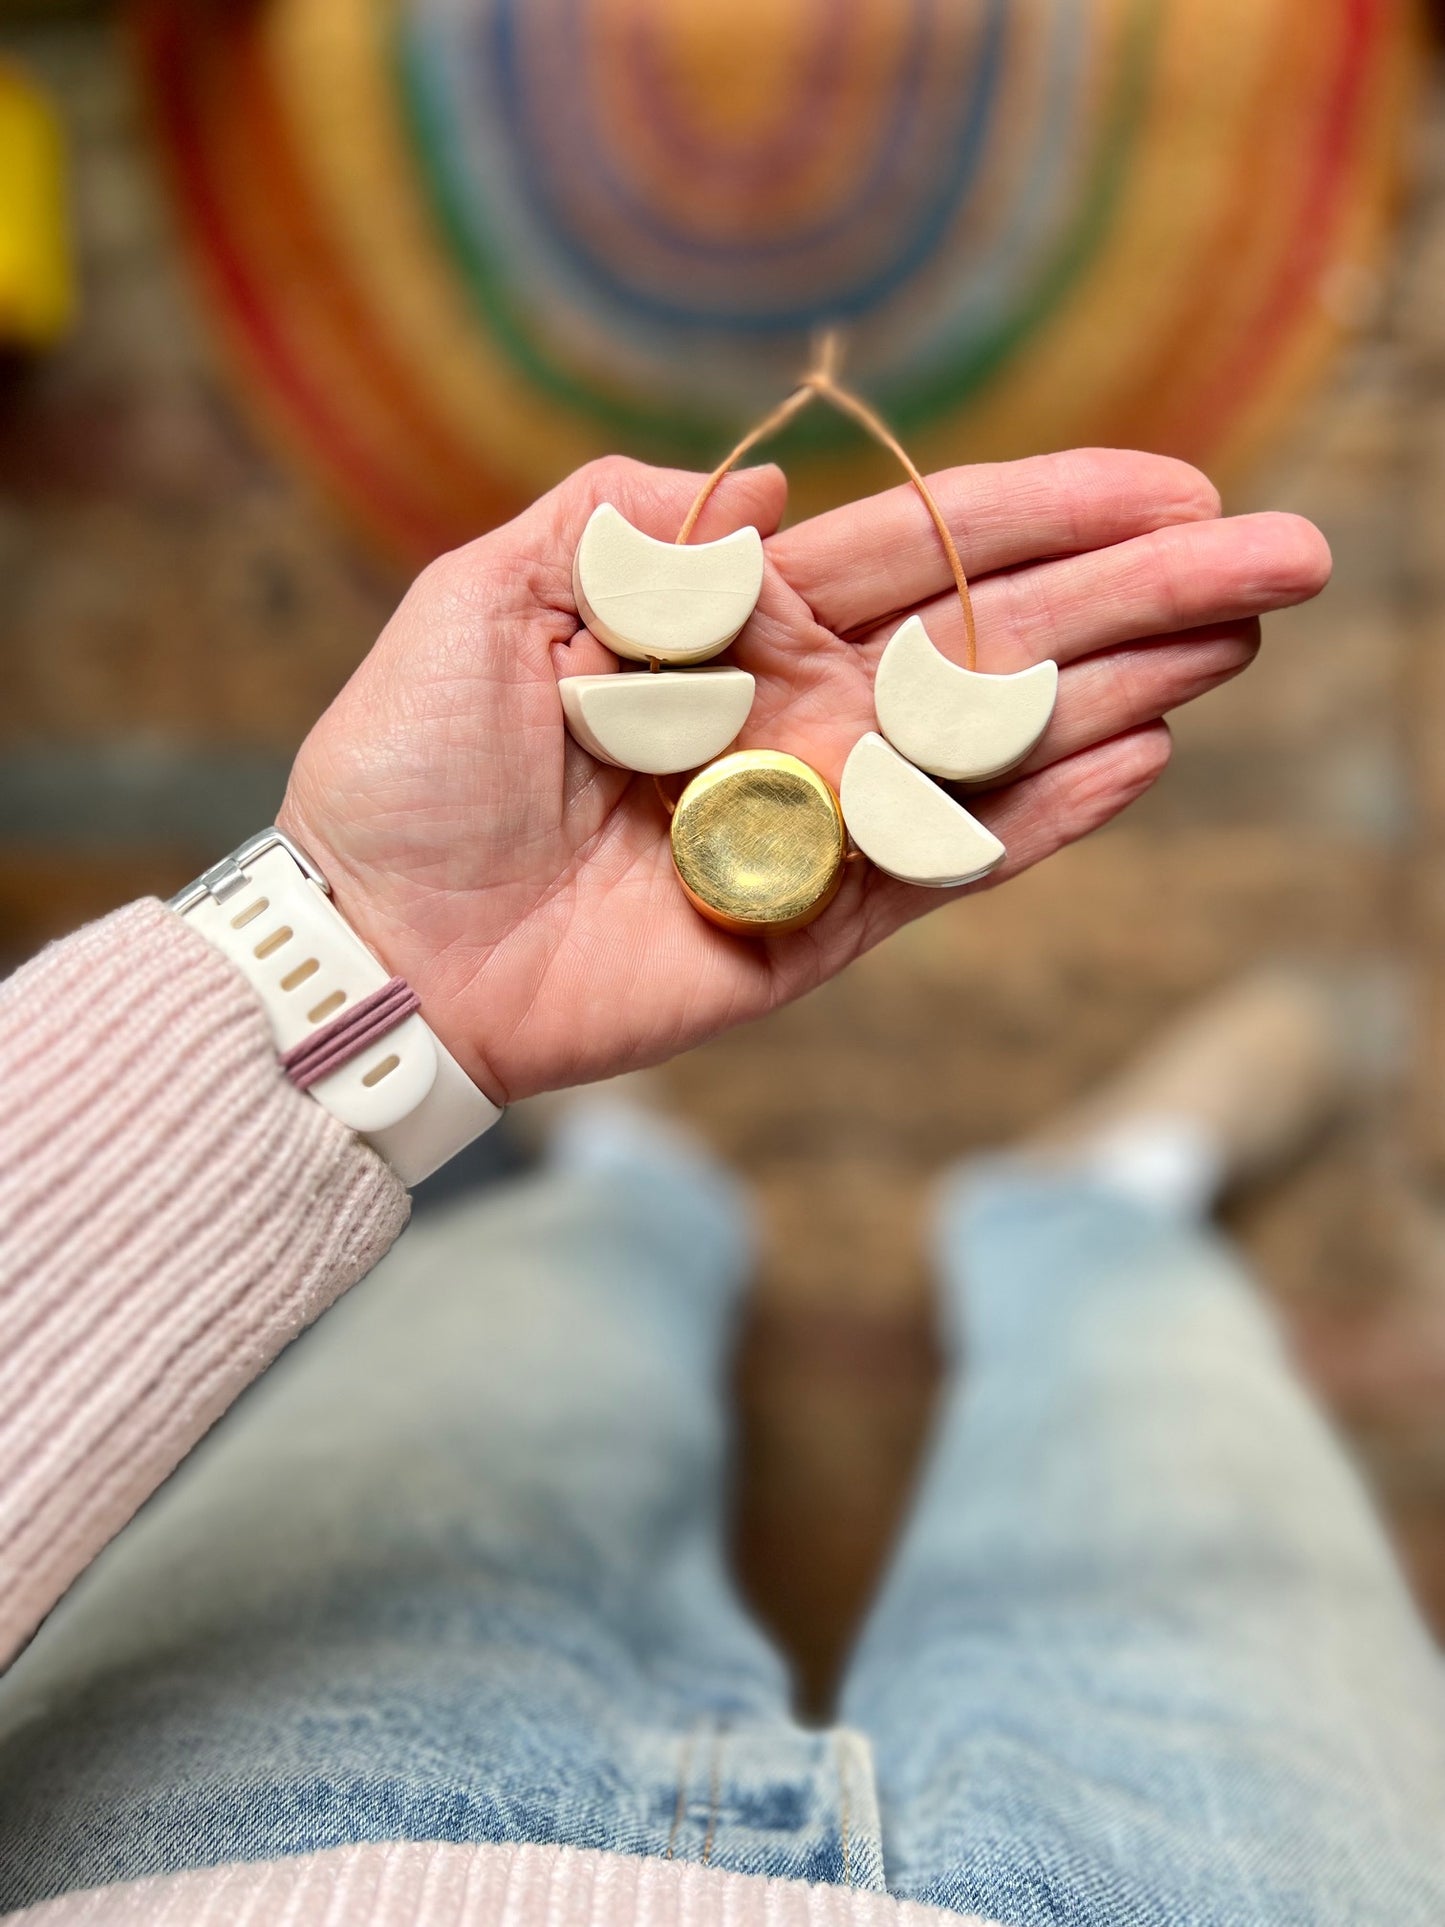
(455,247)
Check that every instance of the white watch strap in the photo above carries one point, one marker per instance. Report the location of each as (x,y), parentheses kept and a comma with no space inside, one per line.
(268,909)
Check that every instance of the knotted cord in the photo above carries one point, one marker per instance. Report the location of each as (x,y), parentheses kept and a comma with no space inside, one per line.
(821,383)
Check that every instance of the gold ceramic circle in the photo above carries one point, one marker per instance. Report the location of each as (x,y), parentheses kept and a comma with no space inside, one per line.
(758,841)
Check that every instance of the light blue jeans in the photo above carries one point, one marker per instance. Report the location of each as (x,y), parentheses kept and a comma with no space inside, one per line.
(454,1571)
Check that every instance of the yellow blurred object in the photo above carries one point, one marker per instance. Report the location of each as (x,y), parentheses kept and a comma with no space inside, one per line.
(37,289)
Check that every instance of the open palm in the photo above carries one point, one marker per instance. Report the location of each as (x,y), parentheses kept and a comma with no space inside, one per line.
(527,892)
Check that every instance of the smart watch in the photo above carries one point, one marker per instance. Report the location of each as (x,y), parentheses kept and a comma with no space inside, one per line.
(347,1031)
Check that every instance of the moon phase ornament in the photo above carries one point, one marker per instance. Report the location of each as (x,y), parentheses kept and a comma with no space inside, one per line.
(759,843)
(759,838)
(657,724)
(958,723)
(940,719)
(664,601)
(907,825)
(661,602)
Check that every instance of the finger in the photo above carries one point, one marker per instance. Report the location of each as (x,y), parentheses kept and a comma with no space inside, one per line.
(1043,813)
(858,564)
(1100,695)
(655,500)
(1186,577)
(1033,818)
(526,565)
(1118,690)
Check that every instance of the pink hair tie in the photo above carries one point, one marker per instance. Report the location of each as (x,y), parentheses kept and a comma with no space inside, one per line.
(348,1034)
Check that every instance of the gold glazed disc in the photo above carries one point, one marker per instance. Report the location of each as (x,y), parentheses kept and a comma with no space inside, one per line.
(759,843)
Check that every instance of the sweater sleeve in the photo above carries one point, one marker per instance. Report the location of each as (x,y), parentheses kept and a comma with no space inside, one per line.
(172,1213)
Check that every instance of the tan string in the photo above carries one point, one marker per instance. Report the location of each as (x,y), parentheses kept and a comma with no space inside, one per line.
(822,382)
(769,425)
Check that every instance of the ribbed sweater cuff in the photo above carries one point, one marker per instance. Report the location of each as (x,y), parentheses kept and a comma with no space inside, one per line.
(172,1213)
(429,1884)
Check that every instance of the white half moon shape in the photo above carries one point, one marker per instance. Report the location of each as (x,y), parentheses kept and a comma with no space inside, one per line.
(958,723)
(907,825)
(673,602)
(657,723)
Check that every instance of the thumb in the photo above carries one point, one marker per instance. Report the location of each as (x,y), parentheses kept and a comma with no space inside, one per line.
(655,500)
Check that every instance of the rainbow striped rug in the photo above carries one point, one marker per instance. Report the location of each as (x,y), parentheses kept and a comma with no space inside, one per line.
(455,247)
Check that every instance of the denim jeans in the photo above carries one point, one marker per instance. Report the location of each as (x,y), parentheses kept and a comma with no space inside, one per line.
(454,1571)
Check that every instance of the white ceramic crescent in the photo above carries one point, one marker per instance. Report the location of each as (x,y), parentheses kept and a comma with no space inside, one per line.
(907,825)
(958,723)
(675,602)
(657,723)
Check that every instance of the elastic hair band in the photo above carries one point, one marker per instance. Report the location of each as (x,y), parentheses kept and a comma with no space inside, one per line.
(348,1034)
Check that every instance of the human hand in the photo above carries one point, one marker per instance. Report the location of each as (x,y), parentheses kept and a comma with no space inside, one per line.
(527,892)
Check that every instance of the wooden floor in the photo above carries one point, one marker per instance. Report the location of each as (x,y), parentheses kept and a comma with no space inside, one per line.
(175,609)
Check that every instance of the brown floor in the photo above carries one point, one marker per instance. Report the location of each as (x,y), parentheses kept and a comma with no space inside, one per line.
(173,603)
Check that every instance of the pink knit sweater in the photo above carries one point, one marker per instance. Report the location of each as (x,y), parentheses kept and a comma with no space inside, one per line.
(139,1296)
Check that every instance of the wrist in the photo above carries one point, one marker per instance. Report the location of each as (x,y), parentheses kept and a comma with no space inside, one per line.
(347,1025)
(377,906)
